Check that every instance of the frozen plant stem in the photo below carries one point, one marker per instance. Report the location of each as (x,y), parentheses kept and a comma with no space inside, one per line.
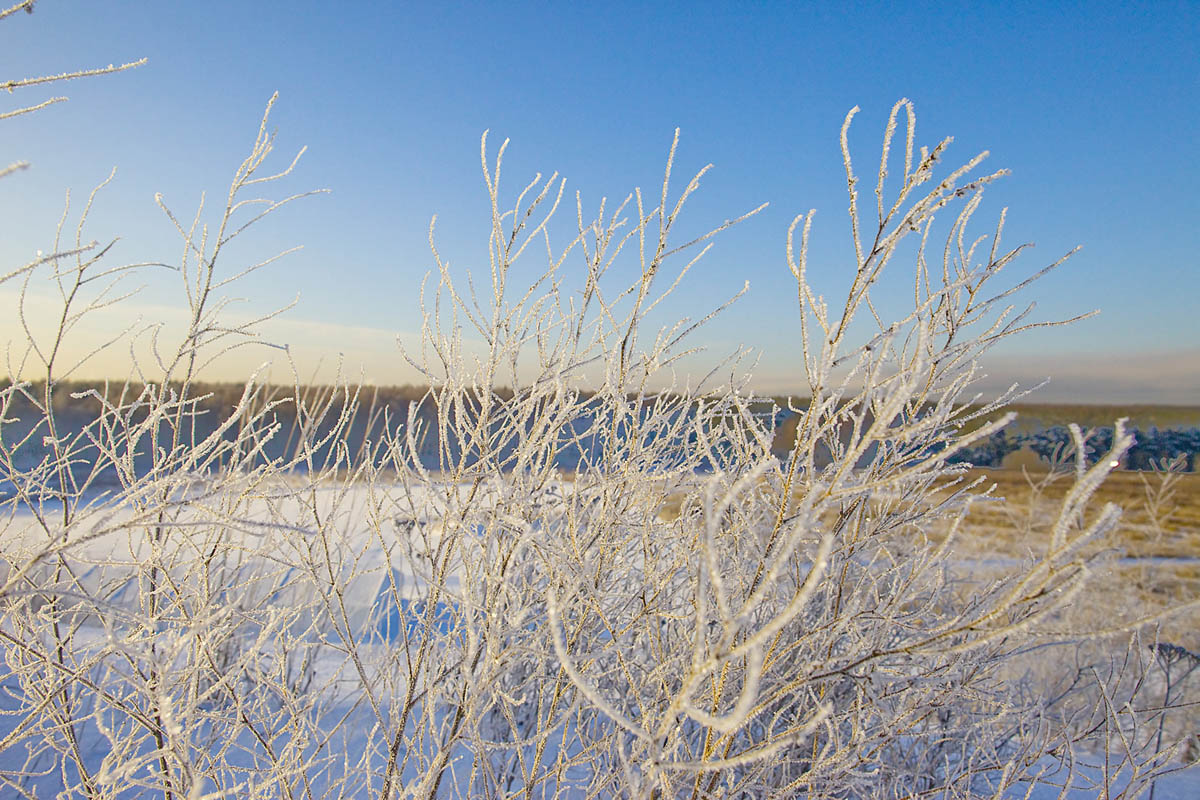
(560,569)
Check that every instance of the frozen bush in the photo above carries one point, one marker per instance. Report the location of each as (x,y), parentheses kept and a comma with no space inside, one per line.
(488,598)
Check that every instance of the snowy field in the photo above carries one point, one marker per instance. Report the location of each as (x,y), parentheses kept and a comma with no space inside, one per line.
(347,655)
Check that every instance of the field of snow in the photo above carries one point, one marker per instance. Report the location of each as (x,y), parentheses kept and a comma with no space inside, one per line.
(348,655)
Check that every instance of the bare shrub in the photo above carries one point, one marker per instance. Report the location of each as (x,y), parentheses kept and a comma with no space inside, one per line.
(480,597)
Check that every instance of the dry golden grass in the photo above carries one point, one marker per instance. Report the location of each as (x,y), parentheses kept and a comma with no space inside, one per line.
(1154,524)
(1156,543)
(1161,530)
(1021,499)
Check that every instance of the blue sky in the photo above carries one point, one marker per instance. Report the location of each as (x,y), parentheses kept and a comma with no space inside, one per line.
(1093,106)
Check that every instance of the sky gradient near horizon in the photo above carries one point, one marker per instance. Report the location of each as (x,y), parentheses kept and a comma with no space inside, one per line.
(1093,106)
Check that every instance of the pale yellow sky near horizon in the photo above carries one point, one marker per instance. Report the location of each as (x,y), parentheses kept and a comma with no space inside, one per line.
(322,350)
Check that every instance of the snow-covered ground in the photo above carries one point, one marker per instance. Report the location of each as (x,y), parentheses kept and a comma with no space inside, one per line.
(378,533)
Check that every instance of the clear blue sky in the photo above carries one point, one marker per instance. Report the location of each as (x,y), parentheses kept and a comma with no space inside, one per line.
(1093,106)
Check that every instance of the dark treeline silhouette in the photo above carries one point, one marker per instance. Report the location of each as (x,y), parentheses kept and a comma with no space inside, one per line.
(367,418)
